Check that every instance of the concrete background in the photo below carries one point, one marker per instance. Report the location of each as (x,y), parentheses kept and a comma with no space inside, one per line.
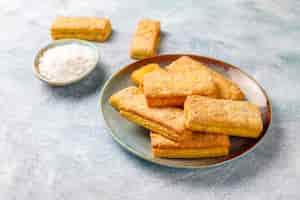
(54,145)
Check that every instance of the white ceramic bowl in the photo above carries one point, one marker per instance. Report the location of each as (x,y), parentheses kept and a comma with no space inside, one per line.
(60,43)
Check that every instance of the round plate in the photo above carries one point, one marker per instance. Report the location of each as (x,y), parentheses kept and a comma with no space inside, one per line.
(60,43)
(136,139)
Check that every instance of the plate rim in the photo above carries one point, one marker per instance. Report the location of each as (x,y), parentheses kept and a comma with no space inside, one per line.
(100,104)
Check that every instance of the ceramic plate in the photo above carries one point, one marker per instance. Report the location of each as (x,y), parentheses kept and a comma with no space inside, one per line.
(136,139)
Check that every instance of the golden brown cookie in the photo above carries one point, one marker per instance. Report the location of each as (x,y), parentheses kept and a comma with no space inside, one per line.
(198,146)
(227,89)
(236,118)
(85,28)
(132,104)
(146,39)
(171,88)
(137,76)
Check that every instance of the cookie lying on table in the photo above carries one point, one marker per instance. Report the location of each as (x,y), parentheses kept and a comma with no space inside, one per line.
(131,103)
(197,146)
(146,39)
(163,88)
(227,89)
(85,28)
(236,118)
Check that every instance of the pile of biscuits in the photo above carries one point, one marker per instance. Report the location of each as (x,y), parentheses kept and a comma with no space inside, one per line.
(189,109)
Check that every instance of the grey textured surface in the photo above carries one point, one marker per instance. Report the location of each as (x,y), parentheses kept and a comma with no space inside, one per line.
(54,145)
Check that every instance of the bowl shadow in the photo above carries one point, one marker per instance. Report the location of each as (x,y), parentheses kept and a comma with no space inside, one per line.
(89,85)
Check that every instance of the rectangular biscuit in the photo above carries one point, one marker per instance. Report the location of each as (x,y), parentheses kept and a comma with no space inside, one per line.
(132,105)
(198,146)
(227,89)
(236,118)
(137,75)
(85,28)
(171,88)
(146,39)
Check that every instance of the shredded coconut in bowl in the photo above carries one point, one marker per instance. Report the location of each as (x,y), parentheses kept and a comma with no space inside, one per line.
(66,62)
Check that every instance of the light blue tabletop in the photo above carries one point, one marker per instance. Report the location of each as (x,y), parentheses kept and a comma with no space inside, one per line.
(55,146)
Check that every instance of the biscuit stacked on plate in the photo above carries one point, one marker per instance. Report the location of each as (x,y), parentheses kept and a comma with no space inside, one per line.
(189,109)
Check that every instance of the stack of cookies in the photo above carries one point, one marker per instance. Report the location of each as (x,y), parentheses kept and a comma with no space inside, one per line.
(189,109)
